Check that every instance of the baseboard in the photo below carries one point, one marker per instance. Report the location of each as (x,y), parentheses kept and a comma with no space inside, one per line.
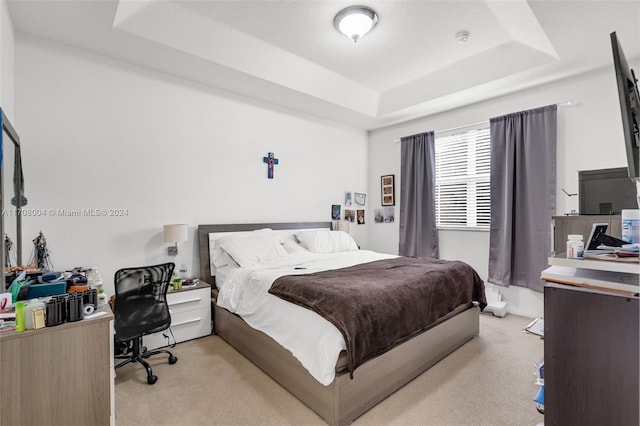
(524,312)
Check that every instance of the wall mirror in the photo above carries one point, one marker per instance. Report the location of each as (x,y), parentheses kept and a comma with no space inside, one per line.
(12,198)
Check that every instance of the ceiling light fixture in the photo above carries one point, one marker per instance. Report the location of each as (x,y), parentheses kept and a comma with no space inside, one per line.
(462,37)
(355,21)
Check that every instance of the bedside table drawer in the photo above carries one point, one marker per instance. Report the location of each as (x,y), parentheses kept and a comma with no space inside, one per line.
(190,311)
(190,325)
(184,325)
(183,301)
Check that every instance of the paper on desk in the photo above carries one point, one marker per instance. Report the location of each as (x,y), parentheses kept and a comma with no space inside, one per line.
(627,248)
(8,314)
(536,327)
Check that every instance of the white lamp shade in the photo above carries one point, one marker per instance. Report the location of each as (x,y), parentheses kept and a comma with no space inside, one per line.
(175,233)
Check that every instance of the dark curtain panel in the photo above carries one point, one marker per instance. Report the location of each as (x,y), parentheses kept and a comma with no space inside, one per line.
(523,195)
(418,235)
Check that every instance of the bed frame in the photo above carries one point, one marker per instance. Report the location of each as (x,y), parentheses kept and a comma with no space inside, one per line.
(344,399)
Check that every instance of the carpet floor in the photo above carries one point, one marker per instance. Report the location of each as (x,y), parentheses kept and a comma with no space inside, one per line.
(488,381)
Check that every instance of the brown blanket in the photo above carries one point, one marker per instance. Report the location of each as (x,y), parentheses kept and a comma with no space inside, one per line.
(377,304)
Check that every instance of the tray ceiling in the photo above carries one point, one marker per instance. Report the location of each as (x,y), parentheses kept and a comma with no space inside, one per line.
(289,54)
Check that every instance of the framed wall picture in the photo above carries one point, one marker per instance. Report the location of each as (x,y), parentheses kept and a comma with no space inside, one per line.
(348,199)
(388,191)
(350,215)
(385,215)
(335,212)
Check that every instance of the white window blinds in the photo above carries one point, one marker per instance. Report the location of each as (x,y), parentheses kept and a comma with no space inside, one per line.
(462,178)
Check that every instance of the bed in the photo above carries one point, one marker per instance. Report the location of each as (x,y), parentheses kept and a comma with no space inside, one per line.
(348,393)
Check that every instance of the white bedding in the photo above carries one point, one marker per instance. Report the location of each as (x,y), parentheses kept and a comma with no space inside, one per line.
(314,341)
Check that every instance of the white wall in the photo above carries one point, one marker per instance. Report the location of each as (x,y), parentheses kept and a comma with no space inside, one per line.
(6,60)
(589,137)
(101,134)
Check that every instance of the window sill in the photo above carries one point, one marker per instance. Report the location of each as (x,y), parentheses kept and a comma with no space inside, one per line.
(462,228)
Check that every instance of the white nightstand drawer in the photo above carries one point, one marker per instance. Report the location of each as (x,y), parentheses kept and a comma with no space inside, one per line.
(184,325)
(189,300)
(190,325)
(190,317)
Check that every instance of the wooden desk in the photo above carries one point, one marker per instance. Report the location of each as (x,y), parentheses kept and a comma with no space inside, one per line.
(616,277)
(59,375)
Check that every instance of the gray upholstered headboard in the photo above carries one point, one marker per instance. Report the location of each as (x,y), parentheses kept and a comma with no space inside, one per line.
(205,230)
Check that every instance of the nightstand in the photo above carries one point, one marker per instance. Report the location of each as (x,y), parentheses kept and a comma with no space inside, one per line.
(190,310)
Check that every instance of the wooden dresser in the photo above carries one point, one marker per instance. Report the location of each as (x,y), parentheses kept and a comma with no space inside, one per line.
(60,375)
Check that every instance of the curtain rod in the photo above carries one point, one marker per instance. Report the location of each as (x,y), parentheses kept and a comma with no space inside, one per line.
(453,128)
(568,103)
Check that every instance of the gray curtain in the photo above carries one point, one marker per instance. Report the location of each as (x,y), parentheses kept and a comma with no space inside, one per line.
(523,195)
(418,235)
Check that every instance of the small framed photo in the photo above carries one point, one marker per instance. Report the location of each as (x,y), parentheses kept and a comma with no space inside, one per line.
(360,217)
(348,199)
(360,199)
(350,215)
(387,189)
(385,215)
(335,212)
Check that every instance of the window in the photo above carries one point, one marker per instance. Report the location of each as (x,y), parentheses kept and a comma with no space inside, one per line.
(462,178)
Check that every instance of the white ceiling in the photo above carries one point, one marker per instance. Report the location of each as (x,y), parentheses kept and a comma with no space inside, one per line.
(288,53)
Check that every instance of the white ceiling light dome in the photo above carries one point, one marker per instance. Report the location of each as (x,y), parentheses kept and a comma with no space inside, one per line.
(462,37)
(355,21)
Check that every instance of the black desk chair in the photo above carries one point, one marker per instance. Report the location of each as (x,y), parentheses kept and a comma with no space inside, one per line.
(141,308)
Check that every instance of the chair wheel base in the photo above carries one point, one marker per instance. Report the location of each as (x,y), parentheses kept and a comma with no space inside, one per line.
(152,379)
(173,359)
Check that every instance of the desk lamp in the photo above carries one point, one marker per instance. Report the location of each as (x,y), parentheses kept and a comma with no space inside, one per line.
(174,234)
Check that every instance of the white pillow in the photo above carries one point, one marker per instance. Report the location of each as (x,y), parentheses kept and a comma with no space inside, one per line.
(219,257)
(327,241)
(254,249)
(293,246)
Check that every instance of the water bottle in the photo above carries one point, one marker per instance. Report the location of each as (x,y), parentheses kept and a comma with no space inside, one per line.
(182,272)
(95,278)
(102,299)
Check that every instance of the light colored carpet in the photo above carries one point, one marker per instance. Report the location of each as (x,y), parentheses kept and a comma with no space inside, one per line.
(488,381)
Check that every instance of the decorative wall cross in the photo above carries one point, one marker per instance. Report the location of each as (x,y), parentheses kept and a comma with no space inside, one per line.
(271,160)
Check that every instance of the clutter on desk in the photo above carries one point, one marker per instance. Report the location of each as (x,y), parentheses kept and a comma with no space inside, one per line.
(37,299)
(601,246)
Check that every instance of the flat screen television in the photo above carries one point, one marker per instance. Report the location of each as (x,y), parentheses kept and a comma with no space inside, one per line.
(629,106)
(606,191)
